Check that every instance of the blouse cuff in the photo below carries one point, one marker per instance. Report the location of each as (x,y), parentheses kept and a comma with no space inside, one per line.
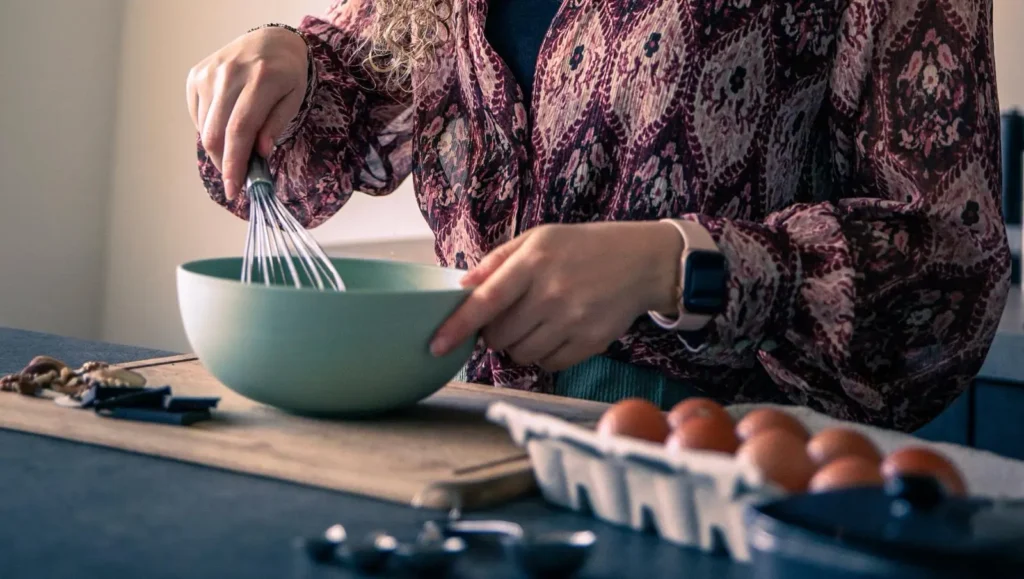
(314,52)
(764,276)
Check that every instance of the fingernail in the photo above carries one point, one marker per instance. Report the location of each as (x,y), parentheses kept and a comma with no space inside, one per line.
(438,347)
(229,189)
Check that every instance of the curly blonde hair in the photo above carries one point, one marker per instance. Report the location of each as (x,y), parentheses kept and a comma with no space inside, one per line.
(406,35)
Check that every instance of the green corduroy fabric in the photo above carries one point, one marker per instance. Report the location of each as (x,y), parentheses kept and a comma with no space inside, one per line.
(605,380)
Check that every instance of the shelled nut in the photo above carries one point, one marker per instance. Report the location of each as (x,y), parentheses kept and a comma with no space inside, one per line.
(43,365)
(20,384)
(114,377)
(45,373)
(92,367)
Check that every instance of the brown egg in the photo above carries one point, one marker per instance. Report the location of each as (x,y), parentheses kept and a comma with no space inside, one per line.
(769,419)
(704,433)
(918,460)
(636,418)
(781,456)
(833,443)
(847,472)
(692,407)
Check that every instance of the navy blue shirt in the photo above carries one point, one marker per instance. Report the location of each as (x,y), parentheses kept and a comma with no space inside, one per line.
(516,29)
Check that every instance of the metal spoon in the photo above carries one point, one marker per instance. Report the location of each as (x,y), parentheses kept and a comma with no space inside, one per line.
(432,554)
(547,554)
(367,555)
(321,549)
(370,554)
(554,554)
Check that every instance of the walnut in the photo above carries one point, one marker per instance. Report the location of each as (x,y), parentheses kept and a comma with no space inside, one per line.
(20,384)
(42,365)
(7,383)
(92,366)
(45,374)
(75,387)
(40,374)
(43,379)
(26,388)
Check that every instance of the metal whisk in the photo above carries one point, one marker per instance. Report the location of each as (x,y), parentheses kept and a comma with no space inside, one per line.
(276,240)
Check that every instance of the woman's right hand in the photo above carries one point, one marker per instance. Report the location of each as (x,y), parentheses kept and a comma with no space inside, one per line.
(244,95)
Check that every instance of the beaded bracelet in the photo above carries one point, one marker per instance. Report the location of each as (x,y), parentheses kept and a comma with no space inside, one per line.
(276,25)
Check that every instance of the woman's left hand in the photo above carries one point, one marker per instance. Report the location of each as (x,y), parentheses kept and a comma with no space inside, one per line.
(559,294)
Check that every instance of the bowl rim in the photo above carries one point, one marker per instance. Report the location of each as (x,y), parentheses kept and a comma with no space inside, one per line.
(184,269)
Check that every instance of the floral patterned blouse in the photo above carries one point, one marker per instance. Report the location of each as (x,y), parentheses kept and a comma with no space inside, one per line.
(844,154)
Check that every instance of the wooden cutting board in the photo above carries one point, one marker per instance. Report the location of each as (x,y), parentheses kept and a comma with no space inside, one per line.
(440,454)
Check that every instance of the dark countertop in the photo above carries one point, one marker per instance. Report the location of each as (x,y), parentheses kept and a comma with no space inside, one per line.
(76,510)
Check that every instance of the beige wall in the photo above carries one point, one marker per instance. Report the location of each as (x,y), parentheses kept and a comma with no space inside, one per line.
(58,70)
(157,196)
(1008,16)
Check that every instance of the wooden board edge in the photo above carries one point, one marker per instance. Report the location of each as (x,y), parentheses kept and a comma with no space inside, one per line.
(151,362)
(485,488)
(582,404)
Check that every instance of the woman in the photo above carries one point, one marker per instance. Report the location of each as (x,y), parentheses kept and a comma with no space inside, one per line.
(833,167)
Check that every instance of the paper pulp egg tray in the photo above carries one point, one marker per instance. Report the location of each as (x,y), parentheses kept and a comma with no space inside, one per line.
(696,499)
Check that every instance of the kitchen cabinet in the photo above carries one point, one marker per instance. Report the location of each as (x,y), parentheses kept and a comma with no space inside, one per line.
(953,425)
(998,418)
(989,416)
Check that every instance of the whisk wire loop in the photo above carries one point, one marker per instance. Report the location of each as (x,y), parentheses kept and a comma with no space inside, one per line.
(276,240)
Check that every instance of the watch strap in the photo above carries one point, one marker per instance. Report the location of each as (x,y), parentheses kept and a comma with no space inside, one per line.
(695,238)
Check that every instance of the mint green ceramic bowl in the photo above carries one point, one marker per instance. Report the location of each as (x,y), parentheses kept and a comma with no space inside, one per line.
(358,352)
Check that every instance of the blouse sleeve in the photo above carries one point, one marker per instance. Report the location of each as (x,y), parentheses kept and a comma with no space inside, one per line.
(351,133)
(879,305)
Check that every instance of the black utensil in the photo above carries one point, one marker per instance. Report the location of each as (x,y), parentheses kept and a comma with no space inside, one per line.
(908,529)
(155,416)
(146,398)
(190,403)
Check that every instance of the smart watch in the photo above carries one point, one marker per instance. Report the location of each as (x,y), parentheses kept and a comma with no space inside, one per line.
(703,270)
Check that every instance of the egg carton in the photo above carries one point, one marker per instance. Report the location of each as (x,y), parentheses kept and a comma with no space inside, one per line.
(693,499)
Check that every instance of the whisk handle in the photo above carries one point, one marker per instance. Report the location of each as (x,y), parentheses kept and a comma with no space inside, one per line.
(259,171)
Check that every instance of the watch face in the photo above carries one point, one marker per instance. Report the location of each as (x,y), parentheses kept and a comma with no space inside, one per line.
(706,275)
